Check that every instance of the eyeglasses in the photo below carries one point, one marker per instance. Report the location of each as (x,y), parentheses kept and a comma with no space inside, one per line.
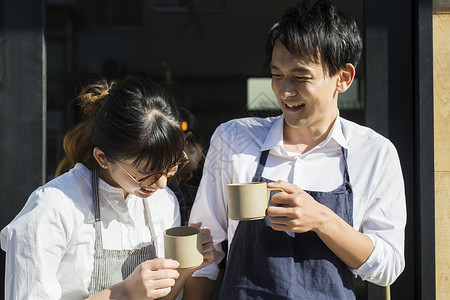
(154,177)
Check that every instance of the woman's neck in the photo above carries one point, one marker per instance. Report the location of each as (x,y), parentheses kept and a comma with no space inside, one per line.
(106,177)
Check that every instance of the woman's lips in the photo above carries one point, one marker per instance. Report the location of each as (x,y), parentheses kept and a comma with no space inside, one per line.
(147,192)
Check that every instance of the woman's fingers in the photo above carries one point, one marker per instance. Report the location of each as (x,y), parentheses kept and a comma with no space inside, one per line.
(160,263)
(206,235)
(159,293)
(163,274)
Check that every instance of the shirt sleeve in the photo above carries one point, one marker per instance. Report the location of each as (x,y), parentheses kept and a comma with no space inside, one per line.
(210,205)
(165,213)
(34,243)
(384,220)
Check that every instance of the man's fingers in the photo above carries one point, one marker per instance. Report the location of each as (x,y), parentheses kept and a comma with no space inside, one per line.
(279,227)
(286,186)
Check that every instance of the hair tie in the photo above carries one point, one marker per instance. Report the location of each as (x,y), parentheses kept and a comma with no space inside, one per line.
(184,126)
(104,94)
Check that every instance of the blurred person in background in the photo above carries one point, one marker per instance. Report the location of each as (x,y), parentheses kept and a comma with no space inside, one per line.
(185,182)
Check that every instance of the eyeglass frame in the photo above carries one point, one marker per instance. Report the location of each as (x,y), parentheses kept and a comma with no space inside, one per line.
(184,160)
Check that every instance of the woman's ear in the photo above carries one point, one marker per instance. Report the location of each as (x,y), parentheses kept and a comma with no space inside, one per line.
(100,157)
(345,79)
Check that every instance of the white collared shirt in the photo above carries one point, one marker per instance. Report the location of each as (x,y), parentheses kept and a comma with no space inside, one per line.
(50,244)
(379,208)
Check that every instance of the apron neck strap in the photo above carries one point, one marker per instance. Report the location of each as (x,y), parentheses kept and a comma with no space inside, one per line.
(263,158)
(97,223)
(260,167)
(95,197)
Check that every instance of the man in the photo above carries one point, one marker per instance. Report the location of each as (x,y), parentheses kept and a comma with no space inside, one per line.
(342,213)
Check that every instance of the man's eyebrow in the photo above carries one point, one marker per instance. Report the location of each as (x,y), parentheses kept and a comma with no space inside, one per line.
(301,70)
(274,67)
(296,69)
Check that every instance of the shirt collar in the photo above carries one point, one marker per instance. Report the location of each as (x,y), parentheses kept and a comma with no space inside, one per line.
(337,134)
(274,137)
(112,195)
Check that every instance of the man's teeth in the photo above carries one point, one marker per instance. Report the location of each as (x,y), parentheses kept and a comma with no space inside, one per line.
(294,104)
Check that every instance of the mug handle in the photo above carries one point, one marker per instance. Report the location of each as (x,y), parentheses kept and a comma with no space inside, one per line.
(271,190)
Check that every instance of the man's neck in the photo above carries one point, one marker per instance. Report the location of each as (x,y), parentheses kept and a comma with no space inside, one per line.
(301,140)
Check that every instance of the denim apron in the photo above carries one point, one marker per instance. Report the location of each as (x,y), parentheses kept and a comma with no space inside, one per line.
(113,266)
(267,264)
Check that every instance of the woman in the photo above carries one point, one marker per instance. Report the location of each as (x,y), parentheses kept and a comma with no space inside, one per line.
(96,231)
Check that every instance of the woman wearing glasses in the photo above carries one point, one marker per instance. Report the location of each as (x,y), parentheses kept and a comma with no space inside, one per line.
(96,231)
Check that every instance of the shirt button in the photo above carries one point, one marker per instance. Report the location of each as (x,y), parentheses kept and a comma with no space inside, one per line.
(127,223)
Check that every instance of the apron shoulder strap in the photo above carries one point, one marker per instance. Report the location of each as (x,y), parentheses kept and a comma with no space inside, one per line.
(261,164)
(96,202)
(95,197)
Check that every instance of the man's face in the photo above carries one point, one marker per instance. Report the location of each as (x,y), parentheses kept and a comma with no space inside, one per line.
(305,92)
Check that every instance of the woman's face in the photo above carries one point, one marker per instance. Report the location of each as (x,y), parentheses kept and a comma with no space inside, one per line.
(126,176)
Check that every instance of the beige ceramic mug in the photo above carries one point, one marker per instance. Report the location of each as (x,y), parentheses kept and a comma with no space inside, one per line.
(184,244)
(248,201)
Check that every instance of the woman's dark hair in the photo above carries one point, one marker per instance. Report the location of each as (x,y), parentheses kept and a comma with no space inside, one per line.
(316,30)
(132,118)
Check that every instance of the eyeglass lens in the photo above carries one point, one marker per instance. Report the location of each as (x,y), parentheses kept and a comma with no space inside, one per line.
(155,177)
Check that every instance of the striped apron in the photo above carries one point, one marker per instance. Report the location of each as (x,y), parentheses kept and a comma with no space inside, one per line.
(113,266)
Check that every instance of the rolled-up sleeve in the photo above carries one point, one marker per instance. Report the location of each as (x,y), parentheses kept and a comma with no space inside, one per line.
(384,220)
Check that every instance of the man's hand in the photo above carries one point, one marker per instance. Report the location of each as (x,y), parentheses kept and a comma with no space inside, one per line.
(295,210)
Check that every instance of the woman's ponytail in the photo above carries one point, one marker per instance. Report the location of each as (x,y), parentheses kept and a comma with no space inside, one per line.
(77,142)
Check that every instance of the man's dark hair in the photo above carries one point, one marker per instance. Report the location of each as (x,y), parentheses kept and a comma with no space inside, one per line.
(316,30)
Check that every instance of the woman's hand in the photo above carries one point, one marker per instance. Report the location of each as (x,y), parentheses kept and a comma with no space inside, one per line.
(152,279)
(209,253)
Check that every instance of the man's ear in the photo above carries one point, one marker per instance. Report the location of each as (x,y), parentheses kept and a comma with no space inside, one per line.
(345,79)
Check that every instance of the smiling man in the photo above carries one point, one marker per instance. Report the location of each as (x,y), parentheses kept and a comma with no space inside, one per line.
(342,213)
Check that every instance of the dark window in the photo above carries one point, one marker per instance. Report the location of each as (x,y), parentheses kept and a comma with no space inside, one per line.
(188,5)
(112,13)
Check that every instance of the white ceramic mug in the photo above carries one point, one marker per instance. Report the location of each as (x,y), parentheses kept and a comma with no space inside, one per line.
(248,201)
(184,244)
